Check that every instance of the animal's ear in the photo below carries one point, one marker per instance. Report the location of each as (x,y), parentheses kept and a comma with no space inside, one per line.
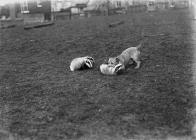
(90,58)
(117,60)
(106,60)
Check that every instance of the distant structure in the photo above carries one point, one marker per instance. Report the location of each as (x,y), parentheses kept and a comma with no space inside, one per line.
(35,10)
(151,5)
(193,6)
(45,10)
(63,9)
(32,11)
(181,3)
(59,5)
(162,4)
(78,9)
(8,11)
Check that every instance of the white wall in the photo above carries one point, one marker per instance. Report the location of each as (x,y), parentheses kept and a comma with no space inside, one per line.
(75,10)
(57,5)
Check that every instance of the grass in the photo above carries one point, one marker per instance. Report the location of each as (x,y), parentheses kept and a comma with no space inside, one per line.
(41,98)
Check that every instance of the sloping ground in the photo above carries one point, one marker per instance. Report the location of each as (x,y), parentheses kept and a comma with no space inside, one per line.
(41,99)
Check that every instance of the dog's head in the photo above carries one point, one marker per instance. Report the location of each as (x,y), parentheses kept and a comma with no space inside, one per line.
(113,60)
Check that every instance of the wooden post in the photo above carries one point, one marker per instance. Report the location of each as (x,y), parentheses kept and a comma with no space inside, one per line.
(12,11)
(108,7)
(0,10)
(70,14)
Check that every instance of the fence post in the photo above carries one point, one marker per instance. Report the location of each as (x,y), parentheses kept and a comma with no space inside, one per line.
(12,11)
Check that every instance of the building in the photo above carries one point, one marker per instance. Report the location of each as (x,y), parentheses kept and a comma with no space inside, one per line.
(67,9)
(162,4)
(151,5)
(181,3)
(59,5)
(8,11)
(78,8)
(35,10)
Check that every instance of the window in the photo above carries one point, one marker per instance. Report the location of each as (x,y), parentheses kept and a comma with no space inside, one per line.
(24,6)
(118,3)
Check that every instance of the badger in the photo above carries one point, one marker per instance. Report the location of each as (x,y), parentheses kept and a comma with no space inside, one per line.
(82,63)
(108,69)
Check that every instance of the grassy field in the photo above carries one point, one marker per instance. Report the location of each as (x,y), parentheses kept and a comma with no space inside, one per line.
(41,98)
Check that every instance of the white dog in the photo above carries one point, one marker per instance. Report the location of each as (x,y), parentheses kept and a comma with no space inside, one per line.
(108,69)
(81,63)
(127,57)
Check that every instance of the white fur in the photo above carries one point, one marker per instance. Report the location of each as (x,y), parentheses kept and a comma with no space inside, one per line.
(107,70)
(111,69)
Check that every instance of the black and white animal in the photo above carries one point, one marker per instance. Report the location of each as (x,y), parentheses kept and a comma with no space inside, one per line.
(108,69)
(82,63)
(127,57)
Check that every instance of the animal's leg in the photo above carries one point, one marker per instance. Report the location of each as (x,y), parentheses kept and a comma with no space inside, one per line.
(137,60)
(131,61)
(138,64)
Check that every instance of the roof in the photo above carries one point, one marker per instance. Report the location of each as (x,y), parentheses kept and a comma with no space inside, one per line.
(82,5)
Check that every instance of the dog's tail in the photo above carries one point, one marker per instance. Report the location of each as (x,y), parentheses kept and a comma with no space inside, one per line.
(140,45)
(143,38)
